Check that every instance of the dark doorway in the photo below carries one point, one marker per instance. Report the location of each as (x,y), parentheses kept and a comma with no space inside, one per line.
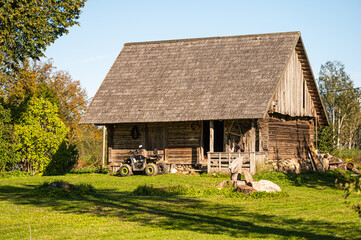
(218,136)
(206,137)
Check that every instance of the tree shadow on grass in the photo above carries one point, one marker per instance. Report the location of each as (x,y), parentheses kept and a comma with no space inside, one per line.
(181,213)
(316,180)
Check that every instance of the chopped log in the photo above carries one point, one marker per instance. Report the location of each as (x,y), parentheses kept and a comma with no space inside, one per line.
(342,166)
(326,163)
(237,183)
(246,189)
(350,166)
(224,183)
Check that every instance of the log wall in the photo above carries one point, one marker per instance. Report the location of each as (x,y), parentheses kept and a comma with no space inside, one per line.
(288,139)
(120,140)
(179,142)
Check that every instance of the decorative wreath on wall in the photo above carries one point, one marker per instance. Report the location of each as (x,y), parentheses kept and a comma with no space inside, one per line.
(194,126)
(135,132)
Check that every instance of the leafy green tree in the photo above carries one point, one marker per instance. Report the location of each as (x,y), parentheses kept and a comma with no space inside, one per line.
(27,27)
(342,102)
(325,139)
(39,133)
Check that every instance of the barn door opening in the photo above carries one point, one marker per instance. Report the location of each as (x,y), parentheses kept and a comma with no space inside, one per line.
(217,144)
(156,138)
(218,136)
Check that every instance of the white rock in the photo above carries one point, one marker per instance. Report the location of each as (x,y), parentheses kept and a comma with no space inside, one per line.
(265,186)
(173,168)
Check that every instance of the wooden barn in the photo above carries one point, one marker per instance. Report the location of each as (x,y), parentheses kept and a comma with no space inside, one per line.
(205,101)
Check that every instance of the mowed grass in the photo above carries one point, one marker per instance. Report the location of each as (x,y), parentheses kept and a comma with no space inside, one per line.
(313,209)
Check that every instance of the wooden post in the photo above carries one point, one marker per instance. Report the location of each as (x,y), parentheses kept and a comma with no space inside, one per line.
(104,147)
(253,136)
(211,136)
(252,160)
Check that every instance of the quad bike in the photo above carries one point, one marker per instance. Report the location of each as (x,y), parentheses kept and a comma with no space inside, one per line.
(138,163)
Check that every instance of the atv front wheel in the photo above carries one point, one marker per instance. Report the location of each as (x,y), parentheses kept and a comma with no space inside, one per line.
(162,168)
(125,170)
(151,169)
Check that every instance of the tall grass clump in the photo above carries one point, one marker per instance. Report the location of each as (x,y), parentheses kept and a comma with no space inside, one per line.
(60,188)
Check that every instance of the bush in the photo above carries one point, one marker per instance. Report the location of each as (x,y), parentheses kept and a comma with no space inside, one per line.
(60,188)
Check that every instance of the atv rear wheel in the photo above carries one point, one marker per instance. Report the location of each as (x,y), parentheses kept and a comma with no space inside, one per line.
(125,170)
(162,168)
(151,169)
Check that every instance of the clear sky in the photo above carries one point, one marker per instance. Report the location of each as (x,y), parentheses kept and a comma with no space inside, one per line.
(331,30)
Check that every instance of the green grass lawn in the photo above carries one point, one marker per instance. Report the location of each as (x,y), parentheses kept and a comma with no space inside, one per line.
(314,209)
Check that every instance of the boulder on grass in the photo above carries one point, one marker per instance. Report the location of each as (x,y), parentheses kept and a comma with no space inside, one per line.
(265,186)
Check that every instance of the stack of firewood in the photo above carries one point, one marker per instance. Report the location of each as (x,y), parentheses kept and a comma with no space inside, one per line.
(331,162)
(322,162)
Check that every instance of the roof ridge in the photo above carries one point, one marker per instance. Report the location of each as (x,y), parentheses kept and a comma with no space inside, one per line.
(205,38)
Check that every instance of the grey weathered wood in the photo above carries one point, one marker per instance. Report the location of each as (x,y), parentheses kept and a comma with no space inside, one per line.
(211,136)
(103,146)
(248,176)
(289,96)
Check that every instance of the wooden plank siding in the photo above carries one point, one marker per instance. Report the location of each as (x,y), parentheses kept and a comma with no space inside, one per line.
(292,96)
(288,139)
(178,141)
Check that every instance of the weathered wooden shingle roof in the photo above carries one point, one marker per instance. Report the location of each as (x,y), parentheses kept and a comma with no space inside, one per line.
(192,79)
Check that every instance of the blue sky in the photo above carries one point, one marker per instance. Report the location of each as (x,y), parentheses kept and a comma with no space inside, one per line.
(331,30)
